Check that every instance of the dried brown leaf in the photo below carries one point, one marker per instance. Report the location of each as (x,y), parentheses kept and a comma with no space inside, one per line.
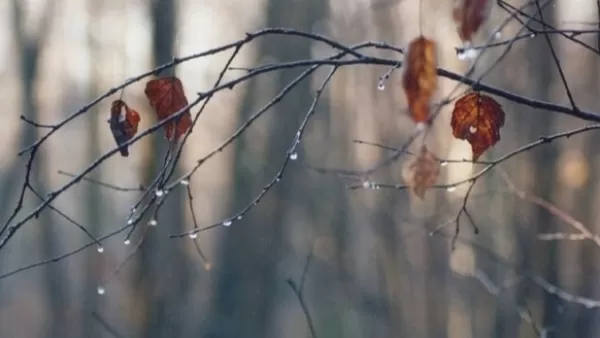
(477,118)
(422,172)
(420,77)
(469,15)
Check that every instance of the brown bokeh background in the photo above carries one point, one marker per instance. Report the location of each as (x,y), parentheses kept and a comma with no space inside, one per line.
(374,271)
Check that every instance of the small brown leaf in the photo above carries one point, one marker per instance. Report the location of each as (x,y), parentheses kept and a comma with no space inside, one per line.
(123,124)
(167,97)
(469,15)
(422,172)
(477,118)
(420,77)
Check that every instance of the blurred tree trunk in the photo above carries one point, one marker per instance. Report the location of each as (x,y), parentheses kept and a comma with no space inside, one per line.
(247,282)
(93,200)
(538,256)
(29,48)
(161,282)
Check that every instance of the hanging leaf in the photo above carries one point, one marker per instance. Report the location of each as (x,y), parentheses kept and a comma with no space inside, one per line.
(422,172)
(477,118)
(123,124)
(420,77)
(167,97)
(469,15)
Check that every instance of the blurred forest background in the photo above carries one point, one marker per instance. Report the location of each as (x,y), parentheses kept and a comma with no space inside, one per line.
(374,271)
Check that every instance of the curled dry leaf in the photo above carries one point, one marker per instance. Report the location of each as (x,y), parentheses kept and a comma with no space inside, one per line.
(469,15)
(167,97)
(420,77)
(123,124)
(477,118)
(422,172)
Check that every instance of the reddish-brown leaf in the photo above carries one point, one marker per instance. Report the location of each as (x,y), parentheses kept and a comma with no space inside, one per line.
(477,118)
(167,97)
(123,124)
(422,172)
(420,77)
(469,15)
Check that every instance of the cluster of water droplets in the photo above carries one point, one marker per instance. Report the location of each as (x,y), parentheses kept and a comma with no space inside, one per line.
(370,185)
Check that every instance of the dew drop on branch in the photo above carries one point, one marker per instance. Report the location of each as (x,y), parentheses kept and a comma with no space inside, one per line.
(193,235)
(129,221)
(381,86)
(127,241)
(498,35)
(152,223)
(227,223)
(101,290)
(451,189)
(467,54)
(100,249)
(294,156)
(239,217)
(159,193)
(443,163)
(184,182)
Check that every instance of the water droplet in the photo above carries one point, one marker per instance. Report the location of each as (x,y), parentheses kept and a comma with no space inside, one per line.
(381,86)
(366,184)
(100,249)
(532,35)
(277,179)
(101,290)
(159,193)
(498,35)
(127,241)
(129,221)
(443,163)
(451,189)
(239,217)
(152,223)
(472,129)
(133,209)
(184,182)
(294,156)
(227,223)
(193,235)
(467,54)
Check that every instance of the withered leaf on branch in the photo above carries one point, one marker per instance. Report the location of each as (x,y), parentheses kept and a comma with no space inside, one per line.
(422,172)
(477,118)
(469,15)
(123,124)
(420,77)
(167,97)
